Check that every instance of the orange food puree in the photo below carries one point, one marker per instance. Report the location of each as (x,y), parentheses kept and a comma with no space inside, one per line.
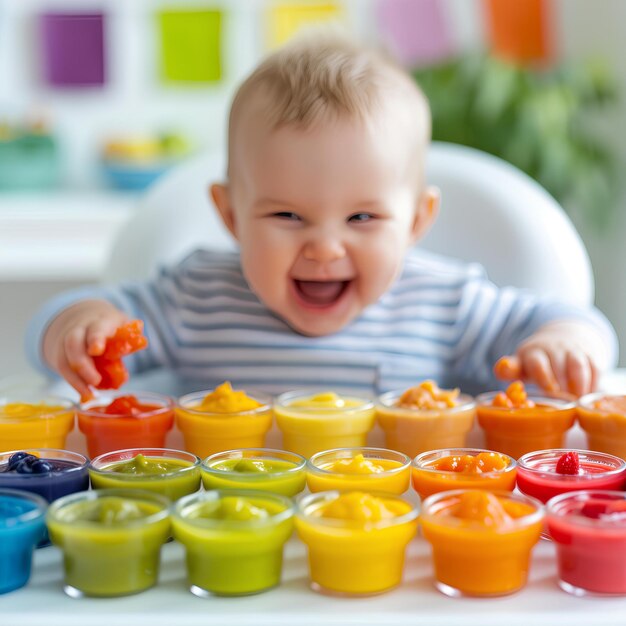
(514,397)
(358,464)
(223,399)
(427,395)
(468,464)
(362,507)
(611,404)
(487,509)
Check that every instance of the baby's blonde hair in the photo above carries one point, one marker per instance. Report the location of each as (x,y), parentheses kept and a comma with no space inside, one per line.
(320,75)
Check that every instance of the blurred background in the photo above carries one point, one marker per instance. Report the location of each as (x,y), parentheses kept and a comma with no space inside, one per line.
(98,98)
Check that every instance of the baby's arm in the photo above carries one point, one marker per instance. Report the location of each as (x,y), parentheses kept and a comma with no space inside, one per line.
(562,355)
(75,335)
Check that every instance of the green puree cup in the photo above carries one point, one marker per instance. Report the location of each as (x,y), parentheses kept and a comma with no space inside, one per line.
(233,539)
(172,473)
(111,540)
(260,469)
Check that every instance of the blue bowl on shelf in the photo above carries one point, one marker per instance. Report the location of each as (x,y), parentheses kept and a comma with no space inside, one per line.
(133,176)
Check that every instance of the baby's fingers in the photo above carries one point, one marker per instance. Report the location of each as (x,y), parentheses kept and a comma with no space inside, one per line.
(98,333)
(507,368)
(77,359)
(75,380)
(579,373)
(536,366)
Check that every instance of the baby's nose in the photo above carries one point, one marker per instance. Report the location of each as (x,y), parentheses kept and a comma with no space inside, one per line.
(324,249)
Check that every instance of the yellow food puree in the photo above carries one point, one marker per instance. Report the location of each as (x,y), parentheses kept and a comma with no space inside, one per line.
(224,399)
(24,410)
(362,507)
(358,464)
(427,395)
(326,400)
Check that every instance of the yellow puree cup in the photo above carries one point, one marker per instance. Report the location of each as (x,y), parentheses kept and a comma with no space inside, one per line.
(355,556)
(43,422)
(362,469)
(313,422)
(206,432)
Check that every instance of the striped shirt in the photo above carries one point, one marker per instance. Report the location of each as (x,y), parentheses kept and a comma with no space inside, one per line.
(442,319)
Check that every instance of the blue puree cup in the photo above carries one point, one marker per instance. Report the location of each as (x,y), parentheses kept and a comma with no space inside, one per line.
(67,472)
(22,526)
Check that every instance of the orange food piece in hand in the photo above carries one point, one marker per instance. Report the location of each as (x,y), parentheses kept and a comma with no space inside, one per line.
(505,368)
(514,397)
(127,339)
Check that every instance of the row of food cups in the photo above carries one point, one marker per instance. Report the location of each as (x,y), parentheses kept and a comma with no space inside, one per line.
(339,543)
(312,422)
(234,539)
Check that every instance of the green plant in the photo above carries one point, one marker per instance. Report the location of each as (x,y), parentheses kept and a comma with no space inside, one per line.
(539,120)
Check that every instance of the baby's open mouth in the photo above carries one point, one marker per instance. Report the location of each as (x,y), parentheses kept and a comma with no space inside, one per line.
(321,292)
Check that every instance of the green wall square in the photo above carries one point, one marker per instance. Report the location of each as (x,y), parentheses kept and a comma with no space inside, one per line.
(190,45)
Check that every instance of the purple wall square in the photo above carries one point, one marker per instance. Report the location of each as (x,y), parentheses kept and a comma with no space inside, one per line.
(415,30)
(72,49)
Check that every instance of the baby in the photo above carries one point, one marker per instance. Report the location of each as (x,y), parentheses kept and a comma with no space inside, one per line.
(326,197)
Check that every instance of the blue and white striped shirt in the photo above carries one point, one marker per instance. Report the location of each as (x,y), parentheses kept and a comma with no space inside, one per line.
(442,319)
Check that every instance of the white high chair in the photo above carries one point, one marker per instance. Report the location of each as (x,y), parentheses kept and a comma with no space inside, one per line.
(491,212)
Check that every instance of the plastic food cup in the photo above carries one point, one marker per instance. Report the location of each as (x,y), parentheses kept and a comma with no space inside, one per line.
(590,540)
(286,474)
(394,477)
(516,431)
(106,433)
(310,429)
(22,527)
(207,432)
(414,430)
(35,422)
(111,540)
(232,557)
(428,480)
(473,559)
(181,478)
(354,557)
(605,427)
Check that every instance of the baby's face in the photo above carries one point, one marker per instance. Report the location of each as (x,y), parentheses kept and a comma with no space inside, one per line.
(323,216)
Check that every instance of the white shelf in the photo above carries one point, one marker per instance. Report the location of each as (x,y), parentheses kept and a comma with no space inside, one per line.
(59,235)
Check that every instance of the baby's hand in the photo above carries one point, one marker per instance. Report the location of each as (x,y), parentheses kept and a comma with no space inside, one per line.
(77,334)
(559,357)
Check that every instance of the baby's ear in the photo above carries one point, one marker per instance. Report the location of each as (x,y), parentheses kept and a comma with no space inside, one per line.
(426,213)
(221,198)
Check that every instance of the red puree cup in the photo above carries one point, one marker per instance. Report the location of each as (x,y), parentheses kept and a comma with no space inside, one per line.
(589,531)
(117,422)
(537,475)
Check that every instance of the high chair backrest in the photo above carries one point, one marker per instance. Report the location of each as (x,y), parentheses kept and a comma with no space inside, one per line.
(491,212)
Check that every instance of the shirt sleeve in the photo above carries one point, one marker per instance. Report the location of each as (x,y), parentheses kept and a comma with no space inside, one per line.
(493,322)
(131,298)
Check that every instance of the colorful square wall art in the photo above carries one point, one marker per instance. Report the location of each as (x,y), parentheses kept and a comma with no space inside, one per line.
(190,45)
(285,20)
(414,30)
(73,49)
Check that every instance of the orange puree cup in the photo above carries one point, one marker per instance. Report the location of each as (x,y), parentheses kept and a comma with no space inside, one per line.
(362,469)
(413,430)
(518,430)
(36,422)
(356,541)
(143,423)
(481,541)
(462,468)
(311,422)
(603,418)
(208,430)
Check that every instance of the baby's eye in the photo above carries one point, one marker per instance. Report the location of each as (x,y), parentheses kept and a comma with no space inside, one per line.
(286,215)
(361,217)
